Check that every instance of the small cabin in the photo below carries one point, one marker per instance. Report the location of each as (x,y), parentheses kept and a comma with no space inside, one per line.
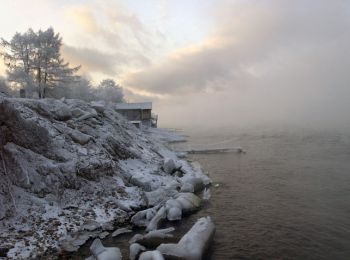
(139,114)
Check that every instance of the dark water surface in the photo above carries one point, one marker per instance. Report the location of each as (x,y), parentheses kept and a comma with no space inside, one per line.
(288,197)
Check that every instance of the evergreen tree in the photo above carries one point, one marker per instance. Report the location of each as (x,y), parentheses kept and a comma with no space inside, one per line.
(34,61)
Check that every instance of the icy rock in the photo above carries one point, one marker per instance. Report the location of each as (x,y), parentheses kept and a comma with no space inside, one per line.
(82,151)
(197,183)
(143,217)
(79,137)
(141,182)
(183,203)
(91,225)
(77,112)
(154,238)
(135,250)
(173,185)
(85,116)
(193,244)
(156,220)
(135,238)
(169,166)
(121,231)
(159,195)
(189,202)
(80,240)
(99,107)
(206,194)
(104,253)
(103,234)
(187,187)
(151,255)
(174,213)
(63,113)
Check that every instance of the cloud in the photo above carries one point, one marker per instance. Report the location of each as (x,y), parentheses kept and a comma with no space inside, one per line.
(249,41)
(94,60)
(266,61)
(113,26)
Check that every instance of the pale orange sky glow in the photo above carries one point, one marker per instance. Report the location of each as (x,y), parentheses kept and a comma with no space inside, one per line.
(247,61)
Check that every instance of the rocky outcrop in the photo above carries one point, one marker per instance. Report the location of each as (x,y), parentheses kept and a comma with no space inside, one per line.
(63,165)
(71,170)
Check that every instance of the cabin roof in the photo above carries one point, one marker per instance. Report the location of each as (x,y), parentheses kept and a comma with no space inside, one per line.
(128,106)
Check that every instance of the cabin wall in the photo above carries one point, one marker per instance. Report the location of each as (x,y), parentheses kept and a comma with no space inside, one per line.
(131,115)
(146,114)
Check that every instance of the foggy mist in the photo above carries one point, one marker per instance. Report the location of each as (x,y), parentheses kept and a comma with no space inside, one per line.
(266,62)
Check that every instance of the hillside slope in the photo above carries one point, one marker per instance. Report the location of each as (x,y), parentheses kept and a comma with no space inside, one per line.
(69,170)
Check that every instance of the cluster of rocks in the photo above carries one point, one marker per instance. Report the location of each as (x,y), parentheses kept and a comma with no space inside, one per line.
(71,170)
(190,247)
(169,203)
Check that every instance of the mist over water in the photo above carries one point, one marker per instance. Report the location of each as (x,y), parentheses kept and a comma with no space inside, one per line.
(286,198)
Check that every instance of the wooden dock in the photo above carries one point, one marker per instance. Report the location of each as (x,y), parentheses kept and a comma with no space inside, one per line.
(214,150)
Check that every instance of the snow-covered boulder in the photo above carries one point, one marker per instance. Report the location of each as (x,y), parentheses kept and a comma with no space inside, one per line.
(197,183)
(135,250)
(79,137)
(206,194)
(169,165)
(193,244)
(160,195)
(189,202)
(174,213)
(62,113)
(151,255)
(104,253)
(143,217)
(182,203)
(121,231)
(157,219)
(77,112)
(187,187)
(154,238)
(98,106)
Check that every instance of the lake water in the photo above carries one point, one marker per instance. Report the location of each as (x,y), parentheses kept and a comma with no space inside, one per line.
(288,197)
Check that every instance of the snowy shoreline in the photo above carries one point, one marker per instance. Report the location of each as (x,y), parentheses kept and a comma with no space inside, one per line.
(74,170)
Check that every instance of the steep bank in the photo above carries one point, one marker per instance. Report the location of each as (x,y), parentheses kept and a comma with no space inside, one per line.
(70,170)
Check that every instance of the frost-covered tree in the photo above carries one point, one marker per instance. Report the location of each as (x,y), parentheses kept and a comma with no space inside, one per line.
(4,88)
(83,89)
(108,90)
(34,61)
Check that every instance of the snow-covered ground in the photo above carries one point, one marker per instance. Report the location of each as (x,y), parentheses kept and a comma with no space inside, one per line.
(71,170)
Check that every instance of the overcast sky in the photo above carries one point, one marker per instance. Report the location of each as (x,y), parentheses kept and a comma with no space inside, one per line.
(207,63)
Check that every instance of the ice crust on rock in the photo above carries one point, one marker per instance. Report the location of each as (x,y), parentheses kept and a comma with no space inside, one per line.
(121,231)
(153,238)
(104,253)
(193,244)
(151,255)
(169,165)
(135,250)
